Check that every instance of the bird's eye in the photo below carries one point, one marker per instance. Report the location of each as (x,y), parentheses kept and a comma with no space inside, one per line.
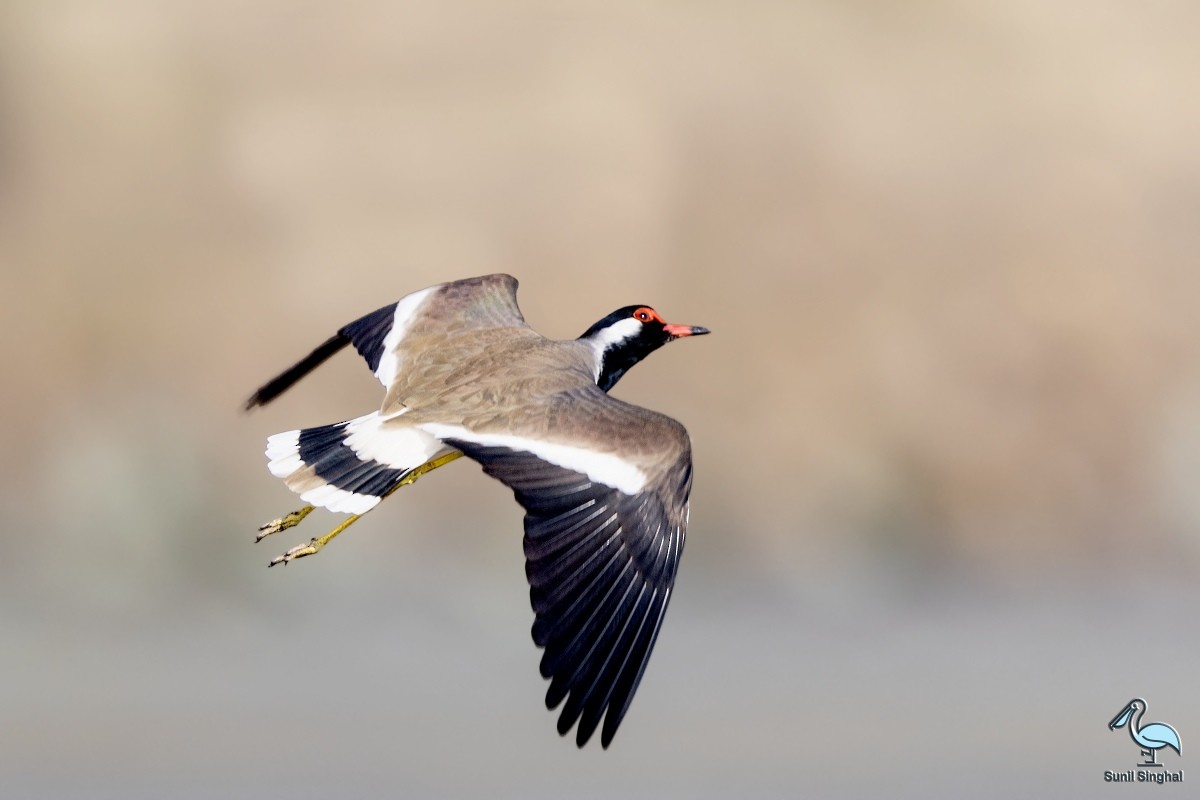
(642,314)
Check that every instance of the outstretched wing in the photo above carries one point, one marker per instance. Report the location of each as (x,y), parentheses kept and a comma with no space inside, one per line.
(387,336)
(603,535)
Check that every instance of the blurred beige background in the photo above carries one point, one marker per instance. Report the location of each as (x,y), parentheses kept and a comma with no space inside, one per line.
(945,520)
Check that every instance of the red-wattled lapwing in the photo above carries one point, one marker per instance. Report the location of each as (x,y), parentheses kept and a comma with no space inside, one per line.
(604,483)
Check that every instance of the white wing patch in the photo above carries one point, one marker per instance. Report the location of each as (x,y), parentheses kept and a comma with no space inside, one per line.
(399,447)
(406,311)
(604,468)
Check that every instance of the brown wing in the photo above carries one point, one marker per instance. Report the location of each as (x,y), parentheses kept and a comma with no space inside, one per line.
(389,337)
(395,334)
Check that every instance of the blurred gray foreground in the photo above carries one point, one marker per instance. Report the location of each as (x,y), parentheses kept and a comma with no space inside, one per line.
(364,675)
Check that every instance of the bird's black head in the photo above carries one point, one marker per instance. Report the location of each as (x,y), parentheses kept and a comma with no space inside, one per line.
(628,335)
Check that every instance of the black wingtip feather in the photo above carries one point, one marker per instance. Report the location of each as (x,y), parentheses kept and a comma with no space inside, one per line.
(369,333)
(593,686)
(288,378)
(598,591)
(638,657)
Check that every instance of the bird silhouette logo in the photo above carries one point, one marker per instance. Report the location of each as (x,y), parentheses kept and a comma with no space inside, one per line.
(1151,737)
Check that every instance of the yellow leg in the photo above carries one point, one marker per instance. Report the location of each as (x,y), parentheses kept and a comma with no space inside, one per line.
(302,550)
(283,523)
(293,519)
(428,466)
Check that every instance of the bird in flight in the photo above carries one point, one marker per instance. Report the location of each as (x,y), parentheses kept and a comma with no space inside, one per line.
(604,483)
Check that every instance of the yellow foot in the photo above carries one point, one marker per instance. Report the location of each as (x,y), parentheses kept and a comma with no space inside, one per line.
(302,550)
(293,519)
(299,551)
(283,523)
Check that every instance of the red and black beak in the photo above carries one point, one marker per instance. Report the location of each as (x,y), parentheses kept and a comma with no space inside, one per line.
(679,331)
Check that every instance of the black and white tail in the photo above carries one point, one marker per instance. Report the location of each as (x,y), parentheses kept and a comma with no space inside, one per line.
(349,466)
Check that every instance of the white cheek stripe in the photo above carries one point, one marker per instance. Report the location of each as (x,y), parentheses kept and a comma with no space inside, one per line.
(406,311)
(613,335)
(604,468)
